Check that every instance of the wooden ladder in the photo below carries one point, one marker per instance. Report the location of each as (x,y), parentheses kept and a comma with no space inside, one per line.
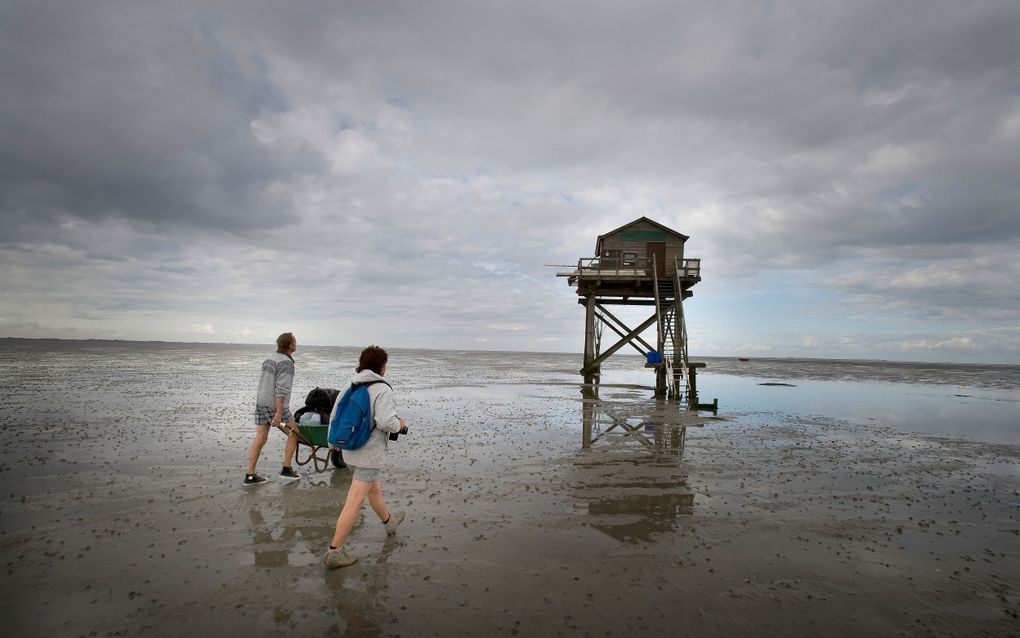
(672,342)
(680,340)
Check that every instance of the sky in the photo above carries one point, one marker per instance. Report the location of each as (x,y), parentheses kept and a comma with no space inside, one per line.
(409,173)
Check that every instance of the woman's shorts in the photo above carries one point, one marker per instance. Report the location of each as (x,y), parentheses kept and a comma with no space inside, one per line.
(368,474)
(264,414)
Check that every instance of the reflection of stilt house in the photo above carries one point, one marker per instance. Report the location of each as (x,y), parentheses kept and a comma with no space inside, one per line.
(639,264)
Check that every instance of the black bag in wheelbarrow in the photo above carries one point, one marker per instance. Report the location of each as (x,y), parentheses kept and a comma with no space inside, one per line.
(318,403)
(313,423)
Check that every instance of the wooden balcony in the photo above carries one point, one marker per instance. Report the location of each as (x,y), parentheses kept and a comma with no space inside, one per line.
(630,278)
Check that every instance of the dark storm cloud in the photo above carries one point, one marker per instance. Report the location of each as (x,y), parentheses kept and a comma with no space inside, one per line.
(137,111)
(864,124)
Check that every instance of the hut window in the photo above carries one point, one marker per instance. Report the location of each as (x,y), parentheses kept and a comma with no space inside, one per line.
(611,259)
(629,259)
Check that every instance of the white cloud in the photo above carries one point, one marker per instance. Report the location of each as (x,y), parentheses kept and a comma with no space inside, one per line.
(977,286)
(953,343)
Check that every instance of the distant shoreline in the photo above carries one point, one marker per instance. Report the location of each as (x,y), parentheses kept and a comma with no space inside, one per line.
(696,357)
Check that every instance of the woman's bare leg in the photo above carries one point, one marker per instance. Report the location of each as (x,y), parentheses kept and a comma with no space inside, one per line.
(349,514)
(378,503)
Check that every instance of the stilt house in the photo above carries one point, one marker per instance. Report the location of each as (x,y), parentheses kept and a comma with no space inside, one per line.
(640,263)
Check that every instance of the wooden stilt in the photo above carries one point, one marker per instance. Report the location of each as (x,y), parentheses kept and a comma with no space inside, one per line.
(589,369)
(589,399)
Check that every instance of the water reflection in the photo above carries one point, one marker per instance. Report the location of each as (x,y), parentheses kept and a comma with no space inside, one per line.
(298,522)
(291,533)
(268,551)
(636,518)
(661,425)
(631,472)
(979,414)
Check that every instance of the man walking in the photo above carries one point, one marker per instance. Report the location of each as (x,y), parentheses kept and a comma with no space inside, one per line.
(272,407)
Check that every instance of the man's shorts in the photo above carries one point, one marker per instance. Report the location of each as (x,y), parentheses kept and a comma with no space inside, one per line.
(264,414)
(368,474)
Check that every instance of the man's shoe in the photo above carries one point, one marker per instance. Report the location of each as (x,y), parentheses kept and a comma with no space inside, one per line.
(289,473)
(253,479)
(391,525)
(338,558)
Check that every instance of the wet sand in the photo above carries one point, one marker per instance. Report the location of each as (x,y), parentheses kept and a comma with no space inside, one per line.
(765,524)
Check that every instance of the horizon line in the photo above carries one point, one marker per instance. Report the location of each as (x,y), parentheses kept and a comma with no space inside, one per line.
(578,352)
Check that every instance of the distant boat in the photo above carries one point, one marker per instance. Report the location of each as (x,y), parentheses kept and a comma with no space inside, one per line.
(743,359)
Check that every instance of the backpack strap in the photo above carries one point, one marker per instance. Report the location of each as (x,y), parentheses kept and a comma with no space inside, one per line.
(373,382)
(355,386)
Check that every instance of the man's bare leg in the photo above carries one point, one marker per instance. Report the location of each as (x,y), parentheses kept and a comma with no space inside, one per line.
(291,447)
(261,436)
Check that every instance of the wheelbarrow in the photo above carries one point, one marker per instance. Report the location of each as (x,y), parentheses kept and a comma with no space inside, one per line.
(313,437)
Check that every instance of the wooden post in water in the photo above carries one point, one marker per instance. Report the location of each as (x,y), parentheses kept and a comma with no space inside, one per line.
(660,380)
(590,371)
(589,399)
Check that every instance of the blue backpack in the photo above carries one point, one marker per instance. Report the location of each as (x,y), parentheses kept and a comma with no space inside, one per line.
(352,422)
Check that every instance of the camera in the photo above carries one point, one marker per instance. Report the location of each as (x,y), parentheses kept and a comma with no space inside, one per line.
(394,435)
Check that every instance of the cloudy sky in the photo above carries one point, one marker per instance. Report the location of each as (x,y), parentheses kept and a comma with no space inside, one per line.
(403,172)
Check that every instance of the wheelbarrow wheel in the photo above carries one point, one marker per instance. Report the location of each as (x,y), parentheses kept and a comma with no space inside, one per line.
(336,458)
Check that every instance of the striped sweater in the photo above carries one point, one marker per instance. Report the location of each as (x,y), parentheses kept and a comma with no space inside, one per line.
(276,380)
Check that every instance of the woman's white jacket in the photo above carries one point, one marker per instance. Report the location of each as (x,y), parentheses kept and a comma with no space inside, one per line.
(384,412)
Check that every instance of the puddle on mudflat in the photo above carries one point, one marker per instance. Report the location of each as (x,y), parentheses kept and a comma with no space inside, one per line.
(633,518)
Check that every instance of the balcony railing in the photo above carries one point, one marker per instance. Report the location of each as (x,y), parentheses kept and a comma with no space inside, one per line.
(603,267)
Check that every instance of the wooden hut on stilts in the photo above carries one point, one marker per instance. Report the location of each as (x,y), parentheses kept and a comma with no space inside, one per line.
(640,264)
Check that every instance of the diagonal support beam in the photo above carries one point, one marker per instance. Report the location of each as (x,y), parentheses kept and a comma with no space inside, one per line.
(619,344)
(622,325)
(617,423)
(620,333)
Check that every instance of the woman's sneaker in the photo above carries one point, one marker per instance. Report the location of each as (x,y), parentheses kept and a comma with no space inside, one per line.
(254,479)
(289,473)
(338,558)
(391,525)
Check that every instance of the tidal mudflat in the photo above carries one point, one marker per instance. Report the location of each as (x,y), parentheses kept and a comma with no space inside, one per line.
(533,509)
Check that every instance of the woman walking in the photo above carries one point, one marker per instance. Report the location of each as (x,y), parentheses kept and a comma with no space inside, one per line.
(367,462)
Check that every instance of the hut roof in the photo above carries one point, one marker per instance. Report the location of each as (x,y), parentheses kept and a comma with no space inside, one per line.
(598,242)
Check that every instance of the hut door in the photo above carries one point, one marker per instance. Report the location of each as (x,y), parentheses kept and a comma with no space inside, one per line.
(657,250)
